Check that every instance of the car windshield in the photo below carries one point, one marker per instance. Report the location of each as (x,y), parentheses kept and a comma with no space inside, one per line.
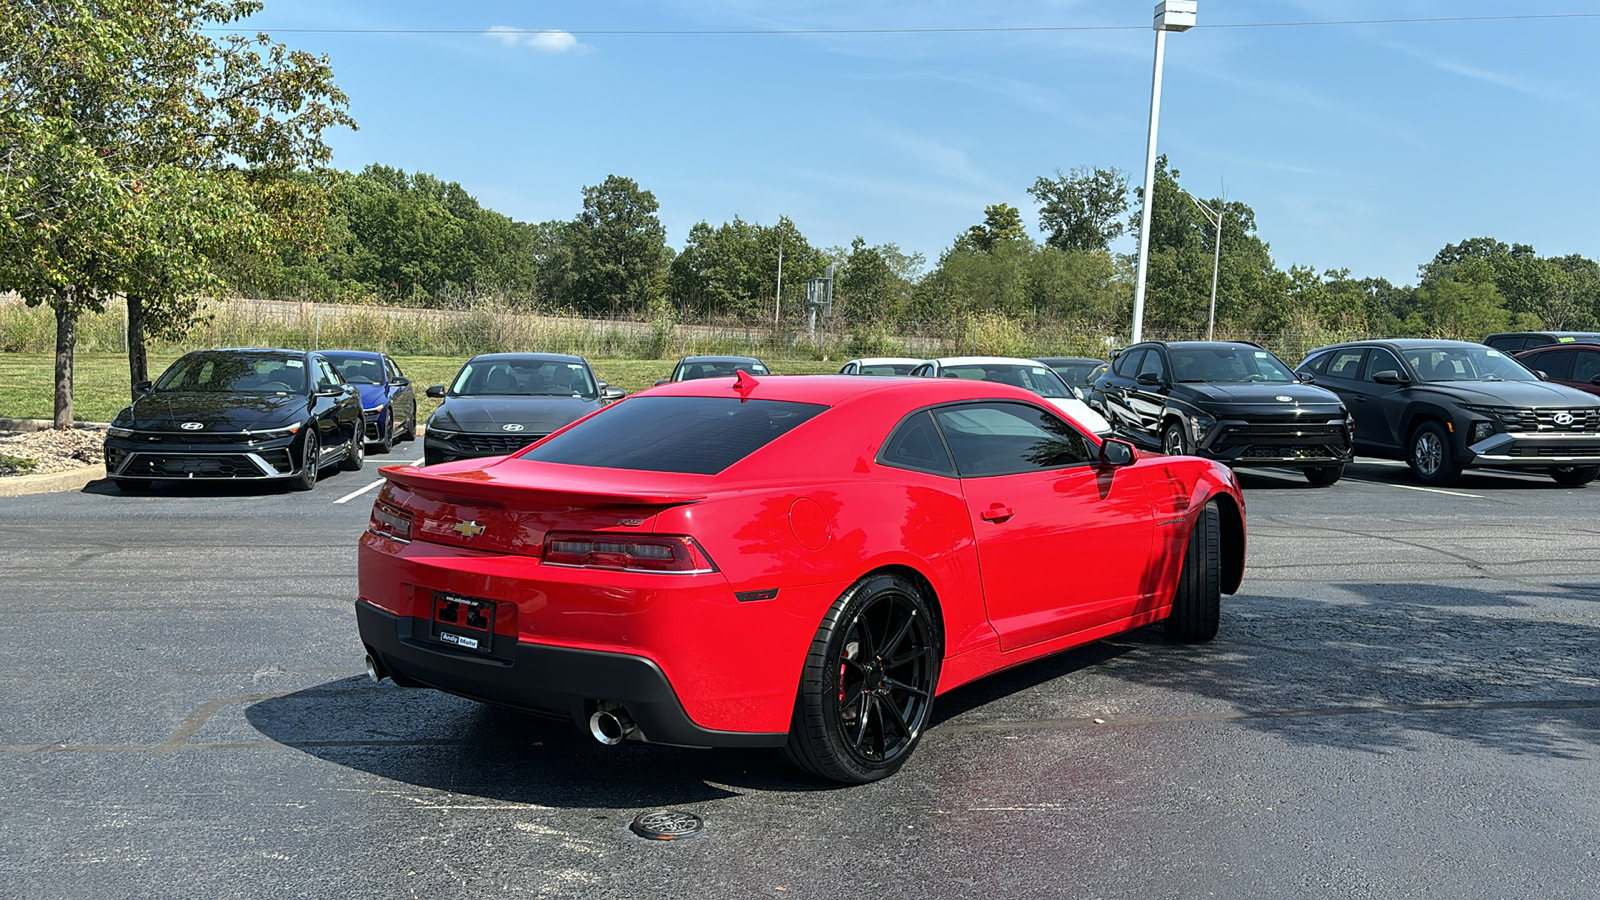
(888,369)
(1465,364)
(1039,379)
(222,373)
(526,378)
(1074,373)
(692,369)
(358,369)
(1227,363)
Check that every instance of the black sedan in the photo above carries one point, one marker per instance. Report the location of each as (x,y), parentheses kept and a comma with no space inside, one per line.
(1230,401)
(502,402)
(691,367)
(237,415)
(1445,405)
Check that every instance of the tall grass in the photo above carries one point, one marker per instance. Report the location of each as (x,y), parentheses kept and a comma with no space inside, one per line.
(487,325)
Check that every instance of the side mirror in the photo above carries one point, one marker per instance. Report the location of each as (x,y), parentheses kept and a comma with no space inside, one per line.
(1595,380)
(436,390)
(333,390)
(1116,453)
(143,387)
(402,381)
(1306,377)
(1077,392)
(612,394)
(1149,379)
(663,381)
(1543,375)
(1388,376)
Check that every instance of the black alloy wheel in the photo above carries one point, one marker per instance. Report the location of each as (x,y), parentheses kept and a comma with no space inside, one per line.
(310,460)
(385,441)
(1430,455)
(1174,441)
(866,692)
(355,455)
(1322,476)
(1197,606)
(1575,476)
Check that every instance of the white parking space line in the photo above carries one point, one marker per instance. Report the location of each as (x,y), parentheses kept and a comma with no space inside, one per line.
(417,462)
(356,493)
(1412,487)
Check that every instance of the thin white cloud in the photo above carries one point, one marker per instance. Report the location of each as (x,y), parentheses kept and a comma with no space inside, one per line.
(542,41)
(1539,89)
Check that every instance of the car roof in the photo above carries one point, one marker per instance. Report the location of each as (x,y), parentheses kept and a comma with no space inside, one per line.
(1593,344)
(1056,360)
(886,360)
(984,360)
(278,350)
(1402,344)
(1586,334)
(357,354)
(542,357)
(832,390)
(720,359)
(1186,345)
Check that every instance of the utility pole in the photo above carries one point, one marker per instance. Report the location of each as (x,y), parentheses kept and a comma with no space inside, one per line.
(1171,15)
(777,296)
(1215,218)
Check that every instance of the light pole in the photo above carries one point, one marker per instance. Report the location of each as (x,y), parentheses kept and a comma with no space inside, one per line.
(1215,218)
(1171,15)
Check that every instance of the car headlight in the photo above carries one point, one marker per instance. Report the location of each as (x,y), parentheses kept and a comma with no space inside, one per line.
(1200,426)
(119,432)
(373,409)
(271,433)
(1481,431)
(442,433)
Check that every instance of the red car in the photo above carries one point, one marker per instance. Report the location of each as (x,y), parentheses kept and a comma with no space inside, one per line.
(1572,364)
(796,562)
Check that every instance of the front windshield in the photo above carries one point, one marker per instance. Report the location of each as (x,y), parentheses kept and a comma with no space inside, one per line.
(695,369)
(1465,364)
(358,369)
(1075,373)
(525,378)
(220,373)
(1038,379)
(888,369)
(1228,363)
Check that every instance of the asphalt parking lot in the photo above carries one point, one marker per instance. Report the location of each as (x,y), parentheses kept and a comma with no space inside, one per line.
(1404,701)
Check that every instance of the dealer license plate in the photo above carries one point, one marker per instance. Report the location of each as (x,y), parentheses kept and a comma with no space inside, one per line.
(463,622)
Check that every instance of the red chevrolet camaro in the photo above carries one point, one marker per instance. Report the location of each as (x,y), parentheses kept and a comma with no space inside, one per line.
(796,562)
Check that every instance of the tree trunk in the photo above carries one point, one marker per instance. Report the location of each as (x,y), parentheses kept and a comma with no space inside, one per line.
(66,342)
(138,361)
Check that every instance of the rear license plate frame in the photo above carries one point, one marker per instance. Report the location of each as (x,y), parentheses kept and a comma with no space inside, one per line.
(472,628)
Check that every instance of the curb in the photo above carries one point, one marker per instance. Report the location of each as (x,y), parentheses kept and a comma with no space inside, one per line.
(53,482)
(46,425)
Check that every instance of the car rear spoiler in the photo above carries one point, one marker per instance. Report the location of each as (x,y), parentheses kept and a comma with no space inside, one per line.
(480,484)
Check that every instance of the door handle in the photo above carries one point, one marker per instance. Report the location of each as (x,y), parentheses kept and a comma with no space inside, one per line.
(997,513)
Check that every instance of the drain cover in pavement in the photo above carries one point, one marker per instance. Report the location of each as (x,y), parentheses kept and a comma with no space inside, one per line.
(666,825)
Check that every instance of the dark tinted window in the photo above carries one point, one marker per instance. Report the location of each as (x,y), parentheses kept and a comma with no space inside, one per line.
(1555,363)
(888,369)
(1512,343)
(916,445)
(1007,438)
(1346,363)
(1586,367)
(1317,362)
(1128,363)
(525,377)
(1075,374)
(694,435)
(1153,365)
(1227,363)
(357,369)
(222,372)
(1381,360)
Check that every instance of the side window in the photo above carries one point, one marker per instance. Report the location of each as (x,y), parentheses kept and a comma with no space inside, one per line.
(326,377)
(393,369)
(1558,364)
(1317,363)
(922,371)
(1008,438)
(1510,343)
(849,369)
(1128,363)
(1347,363)
(1586,366)
(916,445)
(1382,360)
(1153,365)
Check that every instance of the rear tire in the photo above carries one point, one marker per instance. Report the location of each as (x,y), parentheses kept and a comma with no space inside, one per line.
(385,443)
(310,460)
(866,692)
(1322,476)
(355,455)
(1430,455)
(1575,476)
(410,434)
(1197,607)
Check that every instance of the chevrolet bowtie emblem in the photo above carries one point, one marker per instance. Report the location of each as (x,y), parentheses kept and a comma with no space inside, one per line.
(468,529)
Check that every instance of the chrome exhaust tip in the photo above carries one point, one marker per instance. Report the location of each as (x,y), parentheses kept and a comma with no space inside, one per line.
(611,726)
(374,671)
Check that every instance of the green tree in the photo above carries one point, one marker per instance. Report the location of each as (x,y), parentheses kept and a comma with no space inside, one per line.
(1084,210)
(1002,223)
(619,248)
(733,269)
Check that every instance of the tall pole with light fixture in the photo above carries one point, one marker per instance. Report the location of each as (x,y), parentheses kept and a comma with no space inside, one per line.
(1171,15)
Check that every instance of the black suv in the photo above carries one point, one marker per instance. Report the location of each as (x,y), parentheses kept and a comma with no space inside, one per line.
(1230,401)
(1445,405)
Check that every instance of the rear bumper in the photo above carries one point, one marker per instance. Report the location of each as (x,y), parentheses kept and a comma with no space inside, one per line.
(1517,450)
(564,682)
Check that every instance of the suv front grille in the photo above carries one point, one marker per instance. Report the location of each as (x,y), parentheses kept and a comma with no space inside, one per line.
(192,465)
(1586,421)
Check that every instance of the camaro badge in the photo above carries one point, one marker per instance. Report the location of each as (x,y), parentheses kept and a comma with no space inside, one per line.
(192,426)
(468,529)
(512,427)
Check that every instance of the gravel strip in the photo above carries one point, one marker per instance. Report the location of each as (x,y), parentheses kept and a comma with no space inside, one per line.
(51,451)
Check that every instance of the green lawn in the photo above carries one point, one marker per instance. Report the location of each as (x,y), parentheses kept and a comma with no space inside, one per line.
(101,379)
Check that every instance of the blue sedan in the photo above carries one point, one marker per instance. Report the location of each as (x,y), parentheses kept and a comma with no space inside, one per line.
(388,403)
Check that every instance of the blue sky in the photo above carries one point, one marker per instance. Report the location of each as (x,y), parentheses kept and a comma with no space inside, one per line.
(1366,147)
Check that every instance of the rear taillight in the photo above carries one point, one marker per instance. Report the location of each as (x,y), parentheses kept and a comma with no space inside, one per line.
(391,521)
(626,552)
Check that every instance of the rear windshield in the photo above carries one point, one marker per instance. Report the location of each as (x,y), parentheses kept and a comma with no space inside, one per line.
(692,435)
